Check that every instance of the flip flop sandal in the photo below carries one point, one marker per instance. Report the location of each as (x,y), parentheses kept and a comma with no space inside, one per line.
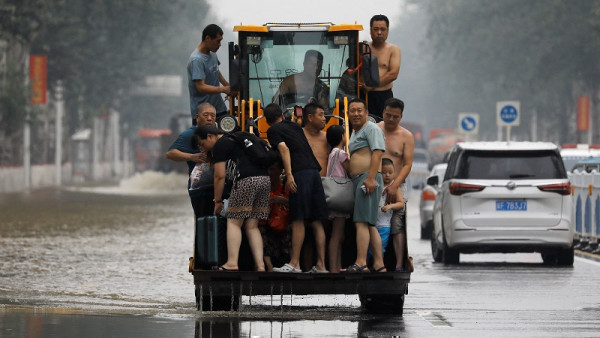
(354,268)
(221,268)
(380,269)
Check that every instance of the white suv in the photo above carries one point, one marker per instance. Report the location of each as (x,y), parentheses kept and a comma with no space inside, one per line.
(503,197)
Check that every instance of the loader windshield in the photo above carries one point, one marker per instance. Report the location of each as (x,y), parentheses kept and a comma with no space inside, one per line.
(295,67)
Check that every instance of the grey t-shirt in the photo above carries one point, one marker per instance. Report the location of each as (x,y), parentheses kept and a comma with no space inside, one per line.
(204,67)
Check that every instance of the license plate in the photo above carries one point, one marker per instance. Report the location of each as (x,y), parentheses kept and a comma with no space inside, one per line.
(511,205)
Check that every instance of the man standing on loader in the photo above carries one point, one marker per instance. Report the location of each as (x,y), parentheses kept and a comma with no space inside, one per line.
(204,77)
(389,59)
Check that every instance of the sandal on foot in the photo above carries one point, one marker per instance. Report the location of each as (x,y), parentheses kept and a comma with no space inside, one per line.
(287,268)
(222,268)
(355,268)
(315,270)
(380,269)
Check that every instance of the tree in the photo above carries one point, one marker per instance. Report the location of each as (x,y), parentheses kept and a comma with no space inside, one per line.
(99,49)
(538,52)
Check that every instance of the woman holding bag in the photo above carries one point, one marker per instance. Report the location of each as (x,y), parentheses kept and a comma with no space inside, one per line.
(337,166)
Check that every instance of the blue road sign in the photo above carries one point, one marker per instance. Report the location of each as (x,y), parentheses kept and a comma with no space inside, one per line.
(508,114)
(468,123)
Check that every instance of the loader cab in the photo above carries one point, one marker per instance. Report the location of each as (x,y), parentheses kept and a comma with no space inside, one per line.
(292,64)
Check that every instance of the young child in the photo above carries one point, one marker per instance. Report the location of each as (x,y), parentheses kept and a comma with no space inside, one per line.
(336,139)
(276,231)
(384,214)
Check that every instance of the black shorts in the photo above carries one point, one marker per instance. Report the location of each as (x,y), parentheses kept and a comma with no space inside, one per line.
(308,203)
(377,101)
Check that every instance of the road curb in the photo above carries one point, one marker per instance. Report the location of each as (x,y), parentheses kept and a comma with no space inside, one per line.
(587,255)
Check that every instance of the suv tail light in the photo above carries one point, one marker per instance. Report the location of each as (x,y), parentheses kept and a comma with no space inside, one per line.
(559,188)
(428,195)
(461,188)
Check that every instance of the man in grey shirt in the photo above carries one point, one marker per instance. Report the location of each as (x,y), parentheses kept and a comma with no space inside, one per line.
(204,77)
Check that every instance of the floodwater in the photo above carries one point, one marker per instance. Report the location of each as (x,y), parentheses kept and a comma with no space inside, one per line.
(105,261)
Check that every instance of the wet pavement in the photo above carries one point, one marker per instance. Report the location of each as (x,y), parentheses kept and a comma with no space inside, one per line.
(101,262)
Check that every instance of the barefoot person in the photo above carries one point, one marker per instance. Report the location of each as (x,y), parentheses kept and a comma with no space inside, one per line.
(399,147)
(366,147)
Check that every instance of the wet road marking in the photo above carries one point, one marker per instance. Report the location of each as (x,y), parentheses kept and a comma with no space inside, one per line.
(587,260)
(436,320)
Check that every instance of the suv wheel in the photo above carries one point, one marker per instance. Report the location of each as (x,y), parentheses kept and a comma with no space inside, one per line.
(565,257)
(449,256)
(426,231)
(436,251)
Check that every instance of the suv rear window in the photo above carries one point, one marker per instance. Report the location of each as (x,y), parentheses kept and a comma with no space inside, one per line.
(512,165)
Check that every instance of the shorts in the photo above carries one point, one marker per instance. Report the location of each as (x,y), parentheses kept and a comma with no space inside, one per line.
(398,222)
(308,202)
(250,198)
(334,214)
(377,101)
(366,206)
(276,244)
(384,233)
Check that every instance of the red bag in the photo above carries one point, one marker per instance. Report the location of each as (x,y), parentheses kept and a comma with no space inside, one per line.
(279,218)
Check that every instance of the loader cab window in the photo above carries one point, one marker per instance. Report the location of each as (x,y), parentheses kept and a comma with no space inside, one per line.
(293,67)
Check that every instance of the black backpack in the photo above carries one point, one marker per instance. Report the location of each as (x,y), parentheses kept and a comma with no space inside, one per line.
(257,149)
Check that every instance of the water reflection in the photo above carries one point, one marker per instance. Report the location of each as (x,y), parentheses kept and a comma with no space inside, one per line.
(377,326)
(113,261)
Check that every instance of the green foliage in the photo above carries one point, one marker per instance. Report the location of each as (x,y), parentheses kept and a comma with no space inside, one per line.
(101,48)
(21,19)
(541,52)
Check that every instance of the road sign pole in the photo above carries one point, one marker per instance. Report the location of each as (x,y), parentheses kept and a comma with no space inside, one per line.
(591,123)
(507,133)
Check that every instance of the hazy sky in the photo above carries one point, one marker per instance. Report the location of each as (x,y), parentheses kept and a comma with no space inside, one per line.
(234,12)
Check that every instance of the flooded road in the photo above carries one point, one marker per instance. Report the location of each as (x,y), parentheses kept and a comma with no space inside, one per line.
(113,261)
(96,248)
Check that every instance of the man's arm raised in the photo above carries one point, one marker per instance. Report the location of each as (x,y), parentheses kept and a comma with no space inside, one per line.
(180,156)
(204,88)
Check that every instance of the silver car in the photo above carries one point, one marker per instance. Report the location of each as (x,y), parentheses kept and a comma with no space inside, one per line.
(428,198)
(504,197)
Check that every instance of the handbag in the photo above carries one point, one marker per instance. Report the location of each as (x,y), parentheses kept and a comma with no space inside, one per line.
(339,191)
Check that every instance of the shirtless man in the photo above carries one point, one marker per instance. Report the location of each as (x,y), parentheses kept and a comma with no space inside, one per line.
(399,147)
(389,59)
(304,87)
(314,121)
(366,146)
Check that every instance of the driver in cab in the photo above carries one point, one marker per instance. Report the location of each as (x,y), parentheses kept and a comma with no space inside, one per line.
(304,87)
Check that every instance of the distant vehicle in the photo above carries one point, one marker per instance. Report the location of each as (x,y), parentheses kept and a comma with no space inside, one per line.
(573,153)
(417,130)
(420,169)
(503,197)
(440,143)
(588,165)
(149,149)
(428,198)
